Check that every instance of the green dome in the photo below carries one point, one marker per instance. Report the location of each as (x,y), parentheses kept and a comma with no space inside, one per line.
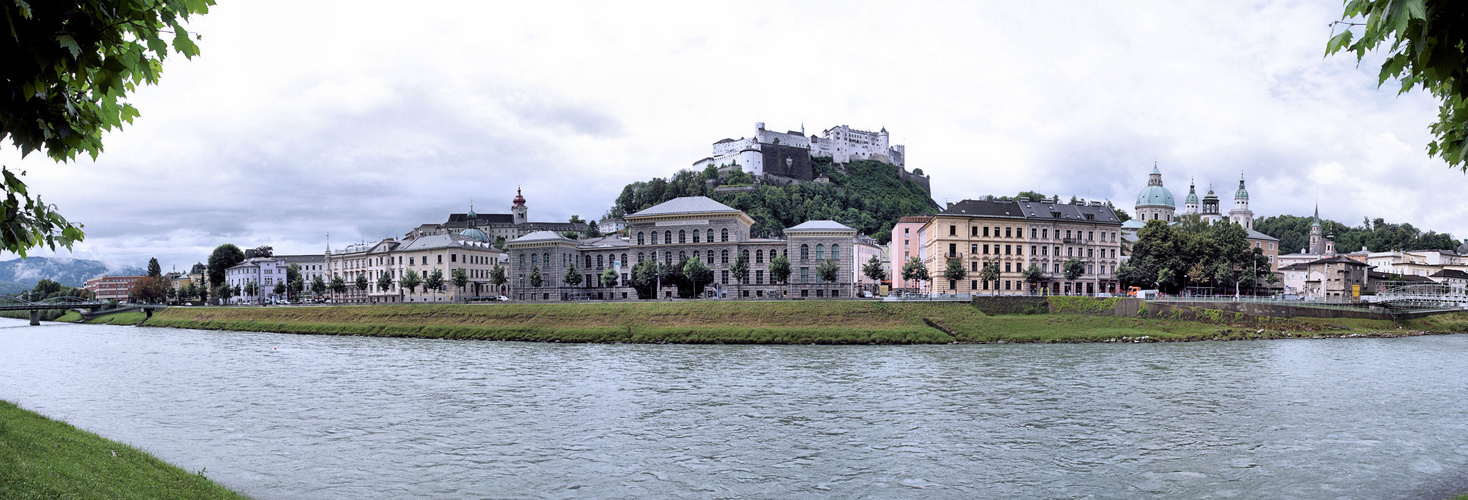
(475,234)
(1155,196)
(1241,194)
(1192,195)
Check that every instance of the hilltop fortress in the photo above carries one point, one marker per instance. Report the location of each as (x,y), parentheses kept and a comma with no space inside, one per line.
(787,156)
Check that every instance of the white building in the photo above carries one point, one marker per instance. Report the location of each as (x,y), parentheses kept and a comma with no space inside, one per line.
(264,272)
(841,143)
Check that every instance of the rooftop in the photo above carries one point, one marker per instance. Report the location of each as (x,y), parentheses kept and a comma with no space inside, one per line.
(686,205)
(819,225)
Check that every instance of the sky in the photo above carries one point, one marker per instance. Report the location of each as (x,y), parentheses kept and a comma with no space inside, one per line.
(361,119)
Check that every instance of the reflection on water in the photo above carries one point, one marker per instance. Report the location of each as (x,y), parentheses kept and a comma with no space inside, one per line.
(285,416)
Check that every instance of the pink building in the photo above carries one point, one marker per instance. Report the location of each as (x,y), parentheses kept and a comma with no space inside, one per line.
(907,242)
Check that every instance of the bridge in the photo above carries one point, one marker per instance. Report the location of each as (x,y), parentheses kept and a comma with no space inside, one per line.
(13,303)
(1423,296)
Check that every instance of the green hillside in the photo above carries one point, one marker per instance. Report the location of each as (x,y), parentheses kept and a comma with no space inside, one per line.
(866,195)
(1376,235)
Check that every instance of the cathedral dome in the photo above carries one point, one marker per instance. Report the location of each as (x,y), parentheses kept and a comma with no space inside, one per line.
(1192,195)
(1152,196)
(1241,194)
(475,234)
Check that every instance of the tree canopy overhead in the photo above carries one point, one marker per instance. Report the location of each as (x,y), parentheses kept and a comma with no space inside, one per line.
(1425,43)
(69,65)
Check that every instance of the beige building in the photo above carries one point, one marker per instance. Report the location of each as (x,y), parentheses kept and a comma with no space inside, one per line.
(423,255)
(1333,278)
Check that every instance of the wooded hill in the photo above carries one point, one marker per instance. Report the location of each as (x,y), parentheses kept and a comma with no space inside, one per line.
(1376,235)
(866,195)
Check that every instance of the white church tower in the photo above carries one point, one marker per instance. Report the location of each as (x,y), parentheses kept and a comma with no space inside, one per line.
(521,213)
(1241,214)
(1191,203)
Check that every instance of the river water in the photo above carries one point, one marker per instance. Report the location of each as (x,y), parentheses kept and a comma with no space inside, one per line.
(295,416)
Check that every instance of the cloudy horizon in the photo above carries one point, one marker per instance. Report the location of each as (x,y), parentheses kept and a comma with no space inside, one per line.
(362,120)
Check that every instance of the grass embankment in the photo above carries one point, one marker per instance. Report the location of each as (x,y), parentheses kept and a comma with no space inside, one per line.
(802,322)
(124,318)
(44,458)
(70,316)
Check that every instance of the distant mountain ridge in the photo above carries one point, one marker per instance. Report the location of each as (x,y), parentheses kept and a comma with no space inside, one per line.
(24,273)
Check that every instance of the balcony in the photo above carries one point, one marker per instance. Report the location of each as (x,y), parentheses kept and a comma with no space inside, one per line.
(1070,241)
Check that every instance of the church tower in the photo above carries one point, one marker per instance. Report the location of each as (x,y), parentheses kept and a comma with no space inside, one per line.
(1191,207)
(1155,201)
(1241,214)
(521,213)
(1210,207)
(1317,238)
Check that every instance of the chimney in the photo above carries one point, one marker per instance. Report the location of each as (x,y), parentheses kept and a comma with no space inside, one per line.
(950,205)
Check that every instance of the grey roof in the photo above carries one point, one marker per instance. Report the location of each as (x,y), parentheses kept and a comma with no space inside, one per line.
(437,241)
(985,208)
(686,205)
(819,225)
(1256,235)
(303,258)
(1066,212)
(1339,260)
(540,236)
(1451,274)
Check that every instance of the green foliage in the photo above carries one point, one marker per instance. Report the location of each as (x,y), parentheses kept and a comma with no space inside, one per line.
(292,274)
(411,280)
(954,270)
(609,277)
(740,269)
(780,269)
(279,288)
(252,288)
(154,269)
(1377,235)
(644,279)
(989,273)
(572,277)
(224,257)
(870,196)
(1033,274)
(45,458)
(1083,305)
(536,280)
(1427,47)
(361,283)
(698,274)
(339,285)
(499,242)
(434,281)
(460,278)
(497,275)
(828,271)
(1073,269)
(318,286)
(1191,253)
(874,270)
(592,231)
(383,282)
(914,270)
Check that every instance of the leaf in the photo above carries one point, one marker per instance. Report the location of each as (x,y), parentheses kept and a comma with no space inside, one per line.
(69,43)
(1338,42)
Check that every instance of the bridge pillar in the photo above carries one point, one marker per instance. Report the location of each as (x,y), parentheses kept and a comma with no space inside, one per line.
(35,317)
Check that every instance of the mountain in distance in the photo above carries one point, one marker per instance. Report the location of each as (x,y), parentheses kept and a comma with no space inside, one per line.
(22,274)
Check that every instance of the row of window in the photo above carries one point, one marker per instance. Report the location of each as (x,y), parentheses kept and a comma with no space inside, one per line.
(682,236)
(1035,233)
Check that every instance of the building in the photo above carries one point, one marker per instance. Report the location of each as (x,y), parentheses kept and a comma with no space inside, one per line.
(1155,201)
(1241,214)
(787,155)
(310,267)
(1015,235)
(494,226)
(1456,280)
(392,259)
(1334,278)
(110,287)
(684,228)
(907,242)
(866,248)
(256,278)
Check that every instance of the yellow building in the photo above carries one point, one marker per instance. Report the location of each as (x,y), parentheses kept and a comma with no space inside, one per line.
(1015,235)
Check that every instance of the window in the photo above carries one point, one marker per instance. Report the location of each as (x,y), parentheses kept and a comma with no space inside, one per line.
(453,257)
(973,231)
(723,235)
(723,256)
(534,260)
(723,277)
(986,249)
(952,249)
(952,230)
(1019,249)
(695,236)
(1032,233)
(410,261)
(1045,234)
(639,237)
(1006,249)
(682,236)
(1006,267)
(440,259)
(682,255)
(711,236)
(986,231)
(710,256)
(973,284)
(1091,235)
(804,252)
(759,256)
(952,284)
(821,251)
(759,276)
(654,237)
(668,237)
(836,252)
(973,266)
(1007,233)
(804,275)
(588,262)
(1034,249)
(624,261)
(904,230)
(599,262)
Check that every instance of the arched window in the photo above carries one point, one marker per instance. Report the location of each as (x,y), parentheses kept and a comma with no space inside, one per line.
(668,258)
(711,235)
(668,237)
(546,259)
(682,255)
(836,252)
(820,251)
(599,262)
(588,262)
(710,256)
(695,236)
(682,237)
(745,253)
(640,256)
(639,237)
(624,259)
(534,260)
(759,256)
(522,260)
(804,251)
(723,255)
(723,234)
(654,237)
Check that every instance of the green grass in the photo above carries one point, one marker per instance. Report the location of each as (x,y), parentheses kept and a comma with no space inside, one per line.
(44,458)
(124,318)
(792,322)
(71,316)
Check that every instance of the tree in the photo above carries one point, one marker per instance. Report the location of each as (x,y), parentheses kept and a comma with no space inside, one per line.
(609,277)
(224,257)
(279,289)
(263,251)
(203,293)
(576,219)
(573,275)
(460,279)
(954,271)
(698,274)
(497,277)
(69,67)
(361,282)
(1428,49)
(434,282)
(914,270)
(224,292)
(1033,275)
(411,280)
(292,276)
(172,294)
(154,269)
(253,289)
(989,273)
(318,286)
(499,242)
(644,279)
(535,279)
(740,270)
(235,291)
(873,270)
(592,231)
(780,270)
(339,285)
(148,289)
(1073,268)
(383,282)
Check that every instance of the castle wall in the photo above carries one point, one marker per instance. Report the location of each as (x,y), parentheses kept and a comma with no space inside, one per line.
(787,161)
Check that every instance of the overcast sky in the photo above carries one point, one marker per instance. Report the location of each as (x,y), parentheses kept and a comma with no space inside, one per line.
(364,119)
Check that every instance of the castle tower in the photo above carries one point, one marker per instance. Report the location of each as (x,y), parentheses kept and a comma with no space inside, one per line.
(1241,214)
(883,140)
(521,213)
(1317,239)
(1192,200)
(1155,201)
(1210,207)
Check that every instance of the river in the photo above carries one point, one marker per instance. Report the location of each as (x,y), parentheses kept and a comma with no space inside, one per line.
(297,416)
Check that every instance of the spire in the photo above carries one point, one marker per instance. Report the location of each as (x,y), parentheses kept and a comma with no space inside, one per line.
(471,209)
(519,199)
(1317,215)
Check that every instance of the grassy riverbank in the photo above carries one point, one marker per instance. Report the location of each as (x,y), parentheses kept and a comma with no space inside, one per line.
(44,458)
(793,322)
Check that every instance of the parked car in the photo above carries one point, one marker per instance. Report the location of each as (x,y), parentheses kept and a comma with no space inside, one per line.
(502,298)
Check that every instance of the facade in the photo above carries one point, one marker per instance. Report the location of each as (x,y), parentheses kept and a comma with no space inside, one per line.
(264,272)
(488,228)
(1334,279)
(442,252)
(684,228)
(1014,235)
(1456,280)
(866,248)
(907,242)
(788,154)
(110,287)
(1241,214)
(311,267)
